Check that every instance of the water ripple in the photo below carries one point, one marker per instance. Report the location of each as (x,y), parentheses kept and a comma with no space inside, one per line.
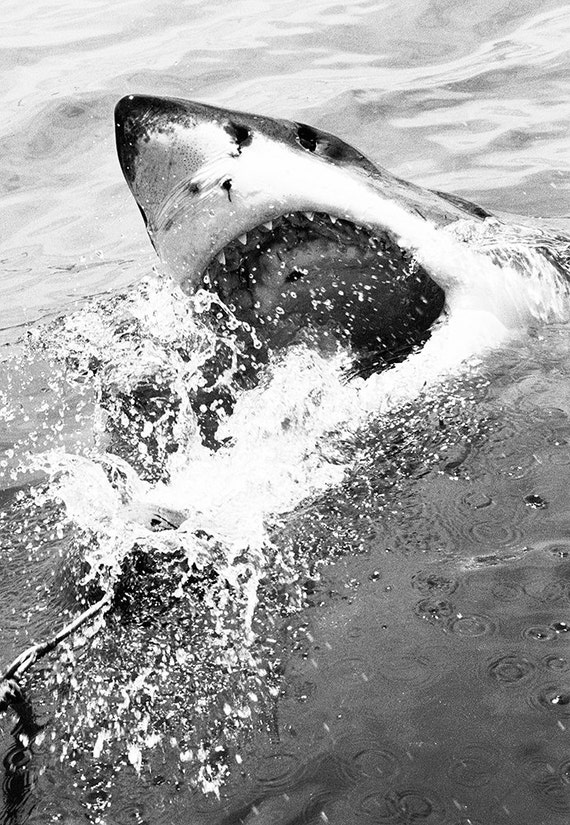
(433,582)
(511,669)
(472,626)
(495,532)
(377,762)
(434,610)
(416,667)
(539,633)
(558,549)
(277,771)
(554,698)
(559,664)
(552,785)
(408,805)
(474,765)
(547,590)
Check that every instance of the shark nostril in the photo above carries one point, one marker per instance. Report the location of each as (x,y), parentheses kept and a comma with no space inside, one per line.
(239,133)
(227,185)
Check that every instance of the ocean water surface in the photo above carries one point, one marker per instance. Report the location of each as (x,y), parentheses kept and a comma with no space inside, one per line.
(354,606)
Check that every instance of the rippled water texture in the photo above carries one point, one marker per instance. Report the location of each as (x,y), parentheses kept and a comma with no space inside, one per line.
(341,615)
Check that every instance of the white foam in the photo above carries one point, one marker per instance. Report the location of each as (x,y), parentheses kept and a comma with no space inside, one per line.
(283,442)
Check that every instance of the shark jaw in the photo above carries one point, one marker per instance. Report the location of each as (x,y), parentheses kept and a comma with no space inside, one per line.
(292,227)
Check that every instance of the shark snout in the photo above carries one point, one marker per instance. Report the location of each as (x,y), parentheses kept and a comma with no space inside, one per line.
(171,149)
(148,131)
(134,115)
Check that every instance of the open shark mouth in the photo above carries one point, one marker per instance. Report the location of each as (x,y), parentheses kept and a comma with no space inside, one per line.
(311,269)
(293,228)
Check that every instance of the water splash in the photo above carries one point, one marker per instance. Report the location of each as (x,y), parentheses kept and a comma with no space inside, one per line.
(141,373)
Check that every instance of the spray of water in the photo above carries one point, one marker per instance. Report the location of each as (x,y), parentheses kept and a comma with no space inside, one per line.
(134,377)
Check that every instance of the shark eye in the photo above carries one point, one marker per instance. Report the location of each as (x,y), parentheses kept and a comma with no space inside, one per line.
(307,137)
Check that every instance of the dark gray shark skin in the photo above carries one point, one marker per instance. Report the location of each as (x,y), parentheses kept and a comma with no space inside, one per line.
(291,226)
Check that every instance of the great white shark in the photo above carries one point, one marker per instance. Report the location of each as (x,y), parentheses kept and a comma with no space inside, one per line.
(293,227)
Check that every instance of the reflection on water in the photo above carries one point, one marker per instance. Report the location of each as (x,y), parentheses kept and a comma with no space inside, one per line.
(331,617)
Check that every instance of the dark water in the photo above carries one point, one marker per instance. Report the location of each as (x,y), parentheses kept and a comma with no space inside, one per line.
(364,617)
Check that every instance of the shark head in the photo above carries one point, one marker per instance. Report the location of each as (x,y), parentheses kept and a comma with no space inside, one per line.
(290,225)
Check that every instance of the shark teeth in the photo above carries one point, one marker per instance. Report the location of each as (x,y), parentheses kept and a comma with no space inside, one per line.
(292,219)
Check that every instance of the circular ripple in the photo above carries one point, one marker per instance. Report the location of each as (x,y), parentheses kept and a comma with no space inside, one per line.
(556,663)
(506,591)
(474,766)
(302,804)
(416,668)
(210,804)
(554,794)
(351,669)
(504,454)
(361,756)
(17,759)
(558,549)
(434,609)
(278,770)
(564,772)
(498,533)
(476,500)
(511,669)
(553,698)
(377,762)
(494,582)
(478,521)
(472,626)
(553,787)
(548,592)
(402,806)
(432,582)
(540,633)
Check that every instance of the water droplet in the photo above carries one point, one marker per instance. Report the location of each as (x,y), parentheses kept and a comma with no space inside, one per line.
(559,549)
(554,698)
(560,627)
(434,610)
(536,502)
(539,634)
